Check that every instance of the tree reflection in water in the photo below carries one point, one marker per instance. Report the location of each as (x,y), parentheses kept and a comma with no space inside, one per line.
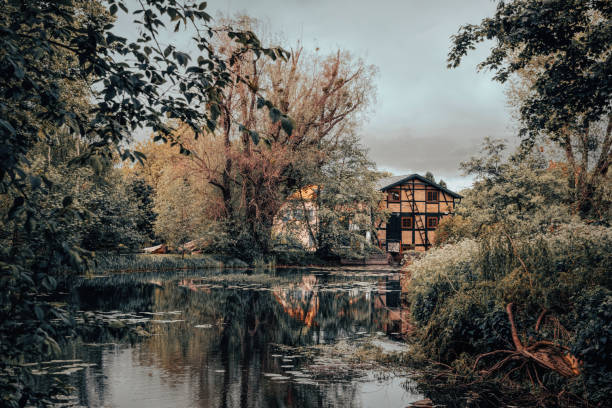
(222,365)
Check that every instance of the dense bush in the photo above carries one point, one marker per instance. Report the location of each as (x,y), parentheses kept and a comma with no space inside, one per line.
(459,292)
(593,342)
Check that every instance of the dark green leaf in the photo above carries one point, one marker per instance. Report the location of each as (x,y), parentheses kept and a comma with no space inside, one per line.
(66,201)
(287,125)
(255,137)
(275,115)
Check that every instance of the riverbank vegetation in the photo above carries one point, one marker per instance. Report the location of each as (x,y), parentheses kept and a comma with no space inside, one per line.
(124,263)
(513,306)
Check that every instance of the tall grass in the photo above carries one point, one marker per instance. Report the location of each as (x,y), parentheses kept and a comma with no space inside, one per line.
(106,263)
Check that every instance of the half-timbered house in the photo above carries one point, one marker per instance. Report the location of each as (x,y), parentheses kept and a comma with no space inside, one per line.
(416,206)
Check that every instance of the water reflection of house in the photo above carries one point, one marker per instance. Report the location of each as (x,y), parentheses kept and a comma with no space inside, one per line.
(301,302)
(396,315)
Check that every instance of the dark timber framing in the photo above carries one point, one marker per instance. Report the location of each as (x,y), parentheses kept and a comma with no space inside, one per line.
(408,186)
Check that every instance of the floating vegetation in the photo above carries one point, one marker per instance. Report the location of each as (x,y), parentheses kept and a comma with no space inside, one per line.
(351,359)
(58,367)
(99,344)
(298,374)
(68,371)
(174,312)
(167,321)
(280,378)
(305,381)
(271,375)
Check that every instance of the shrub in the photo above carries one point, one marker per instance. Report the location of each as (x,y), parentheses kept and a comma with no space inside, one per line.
(458,295)
(592,342)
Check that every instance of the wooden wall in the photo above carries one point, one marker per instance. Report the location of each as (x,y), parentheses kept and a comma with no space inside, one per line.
(413,204)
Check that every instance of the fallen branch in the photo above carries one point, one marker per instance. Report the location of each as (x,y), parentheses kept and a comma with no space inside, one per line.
(543,353)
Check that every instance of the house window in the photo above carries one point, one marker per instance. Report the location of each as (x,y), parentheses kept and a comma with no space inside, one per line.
(432,196)
(432,222)
(406,222)
(394,195)
(407,247)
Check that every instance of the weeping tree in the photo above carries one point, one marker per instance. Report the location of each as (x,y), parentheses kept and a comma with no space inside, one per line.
(65,68)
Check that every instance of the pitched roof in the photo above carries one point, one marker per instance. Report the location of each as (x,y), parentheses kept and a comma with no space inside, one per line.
(389,182)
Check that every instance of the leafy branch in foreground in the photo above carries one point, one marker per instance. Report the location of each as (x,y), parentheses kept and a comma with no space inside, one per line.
(64,70)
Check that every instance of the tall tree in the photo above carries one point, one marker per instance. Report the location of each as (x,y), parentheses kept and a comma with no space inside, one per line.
(565,46)
(348,202)
(273,127)
(142,195)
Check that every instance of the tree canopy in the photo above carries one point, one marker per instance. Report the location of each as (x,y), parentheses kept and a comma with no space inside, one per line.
(563,50)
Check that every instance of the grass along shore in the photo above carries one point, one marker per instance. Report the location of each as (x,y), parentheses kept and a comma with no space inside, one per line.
(122,263)
(141,262)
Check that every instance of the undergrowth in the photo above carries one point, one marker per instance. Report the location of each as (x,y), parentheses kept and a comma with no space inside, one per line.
(459,294)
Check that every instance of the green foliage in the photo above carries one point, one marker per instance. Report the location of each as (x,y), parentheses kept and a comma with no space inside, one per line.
(348,202)
(560,50)
(142,194)
(525,195)
(593,341)
(458,295)
(180,215)
(65,75)
(292,257)
(151,262)
(574,37)
(451,229)
(231,238)
(107,211)
(113,216)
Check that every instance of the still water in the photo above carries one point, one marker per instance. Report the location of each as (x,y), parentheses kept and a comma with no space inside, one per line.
(251,340)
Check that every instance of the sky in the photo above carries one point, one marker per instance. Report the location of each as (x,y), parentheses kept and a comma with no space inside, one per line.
(427,117)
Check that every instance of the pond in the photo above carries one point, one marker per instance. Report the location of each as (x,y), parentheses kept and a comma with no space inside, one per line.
(243,339)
